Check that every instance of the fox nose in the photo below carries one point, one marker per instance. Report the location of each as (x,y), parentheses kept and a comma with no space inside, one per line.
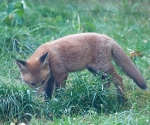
(33,84)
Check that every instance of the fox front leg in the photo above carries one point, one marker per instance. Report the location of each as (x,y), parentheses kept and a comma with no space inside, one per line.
(49,88)
(60,82)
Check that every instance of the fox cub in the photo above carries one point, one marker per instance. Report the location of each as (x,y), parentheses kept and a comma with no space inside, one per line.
(50,64)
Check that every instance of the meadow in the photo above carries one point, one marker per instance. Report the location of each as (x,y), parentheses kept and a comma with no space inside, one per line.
(25,25)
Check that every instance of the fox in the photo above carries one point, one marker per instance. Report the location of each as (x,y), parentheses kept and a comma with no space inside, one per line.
(48,67)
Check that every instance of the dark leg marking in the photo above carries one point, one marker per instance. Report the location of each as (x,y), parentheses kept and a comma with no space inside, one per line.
(92,71)
(49,88)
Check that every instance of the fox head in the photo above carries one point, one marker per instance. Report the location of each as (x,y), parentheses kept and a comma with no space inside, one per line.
(35,73)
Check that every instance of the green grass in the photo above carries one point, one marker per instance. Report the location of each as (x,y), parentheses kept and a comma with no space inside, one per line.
(83,101)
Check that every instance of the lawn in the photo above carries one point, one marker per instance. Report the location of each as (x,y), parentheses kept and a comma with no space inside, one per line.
(25,25)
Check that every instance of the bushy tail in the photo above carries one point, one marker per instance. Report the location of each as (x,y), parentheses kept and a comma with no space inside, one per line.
(128,66)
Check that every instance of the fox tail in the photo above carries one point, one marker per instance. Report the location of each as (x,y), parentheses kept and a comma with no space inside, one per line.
(123,61)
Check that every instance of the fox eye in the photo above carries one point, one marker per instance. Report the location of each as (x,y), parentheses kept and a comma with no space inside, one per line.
(33,84)
(43,82)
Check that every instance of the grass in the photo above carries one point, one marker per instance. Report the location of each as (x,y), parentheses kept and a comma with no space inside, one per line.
(84,101)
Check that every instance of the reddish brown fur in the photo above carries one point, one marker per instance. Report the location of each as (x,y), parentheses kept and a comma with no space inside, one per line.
(77,52)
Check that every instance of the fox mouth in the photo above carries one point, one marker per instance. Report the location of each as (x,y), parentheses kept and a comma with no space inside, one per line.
(34,85)
(37,86)
(40,86)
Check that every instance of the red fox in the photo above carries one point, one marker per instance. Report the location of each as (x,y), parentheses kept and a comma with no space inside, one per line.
(50,64)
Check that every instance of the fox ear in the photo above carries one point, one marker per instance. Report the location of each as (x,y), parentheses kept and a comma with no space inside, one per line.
(44,59)
(21,65)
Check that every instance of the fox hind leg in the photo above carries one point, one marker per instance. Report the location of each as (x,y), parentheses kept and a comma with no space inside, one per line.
(104,76)
(117,80)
